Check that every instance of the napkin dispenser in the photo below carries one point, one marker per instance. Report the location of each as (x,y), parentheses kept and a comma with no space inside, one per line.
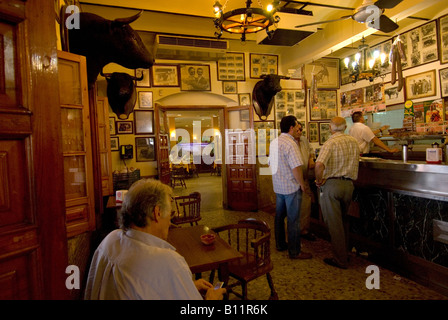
(119,196)
(434,154)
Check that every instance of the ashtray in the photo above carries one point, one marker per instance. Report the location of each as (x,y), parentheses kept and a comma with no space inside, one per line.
(208,239)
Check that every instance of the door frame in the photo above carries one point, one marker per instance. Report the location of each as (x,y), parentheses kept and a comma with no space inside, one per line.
(221,111)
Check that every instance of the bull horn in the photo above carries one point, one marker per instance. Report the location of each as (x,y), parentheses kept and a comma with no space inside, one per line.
(105,75)
(138,79)
(129,19)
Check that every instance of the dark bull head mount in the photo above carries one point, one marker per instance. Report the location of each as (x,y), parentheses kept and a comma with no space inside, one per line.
(104,41)
(121,93)
(264,92)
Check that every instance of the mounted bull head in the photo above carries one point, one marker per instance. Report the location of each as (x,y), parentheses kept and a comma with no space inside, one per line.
(104,41)
(264,92)
(121,93)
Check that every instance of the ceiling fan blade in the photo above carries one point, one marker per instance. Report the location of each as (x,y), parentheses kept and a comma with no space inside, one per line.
(387,4)
(321,22)
(386,25)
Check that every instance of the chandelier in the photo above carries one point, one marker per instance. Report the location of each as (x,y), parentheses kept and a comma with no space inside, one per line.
(366,64)
(245,20)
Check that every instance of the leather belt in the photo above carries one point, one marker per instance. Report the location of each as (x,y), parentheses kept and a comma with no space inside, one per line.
(340,178)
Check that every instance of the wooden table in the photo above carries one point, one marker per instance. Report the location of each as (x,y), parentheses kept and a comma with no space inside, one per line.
(200,257)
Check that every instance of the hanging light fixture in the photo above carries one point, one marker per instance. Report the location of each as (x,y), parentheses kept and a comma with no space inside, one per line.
(362,68)
(245,20)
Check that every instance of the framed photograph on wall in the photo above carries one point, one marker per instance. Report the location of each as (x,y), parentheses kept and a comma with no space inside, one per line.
(421,85)
(231,67)
(146,81)
(112,129)
(392,95)
(244,99)
(195,77)
(443,39)
(327,106)
(263,64)
(324,132)
(124,127)
(144,121)
(229,87)
(443,76)
(313,131)
(145,149)
(114,143)
(421,45)
(145,99)
(326,72)
(165,75)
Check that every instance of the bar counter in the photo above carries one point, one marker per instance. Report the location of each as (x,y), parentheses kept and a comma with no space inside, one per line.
(412,177)
(394,217)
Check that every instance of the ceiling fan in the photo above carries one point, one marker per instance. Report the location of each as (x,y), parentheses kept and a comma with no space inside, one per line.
(367,13)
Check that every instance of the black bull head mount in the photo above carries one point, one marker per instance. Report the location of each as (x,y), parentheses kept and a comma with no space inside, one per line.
(104,41)
(121,93)
(264,92)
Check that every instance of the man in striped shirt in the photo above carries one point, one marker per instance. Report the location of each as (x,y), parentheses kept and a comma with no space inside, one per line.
(336,168)
(287,178)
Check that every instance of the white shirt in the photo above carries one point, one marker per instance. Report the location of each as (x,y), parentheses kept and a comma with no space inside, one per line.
(133,265)
(363,134)
(284,155)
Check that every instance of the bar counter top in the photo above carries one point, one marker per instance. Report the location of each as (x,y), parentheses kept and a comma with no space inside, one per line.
(415,178)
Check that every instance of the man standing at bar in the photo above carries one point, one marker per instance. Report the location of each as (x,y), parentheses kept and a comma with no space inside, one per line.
(336,168)
(288,183)
(364,135)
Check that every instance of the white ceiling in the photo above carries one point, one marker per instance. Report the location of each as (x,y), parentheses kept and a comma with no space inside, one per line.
(195,18)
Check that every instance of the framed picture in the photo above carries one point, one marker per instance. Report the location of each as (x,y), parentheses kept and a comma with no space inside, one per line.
(326,72)
(263,64)
(292,102)
(229,87)
(145,99)
(313,132)
(144,121)
(443,76)
(443,39)
(145,82)
(421,45)
(392,95)
(145,149)
(112,129)
(124,127)
(114,143)
(244,99)
(244,115)
(421,85)
(195,77)
(231,67)
(165,75)
(324,132)
(327,106)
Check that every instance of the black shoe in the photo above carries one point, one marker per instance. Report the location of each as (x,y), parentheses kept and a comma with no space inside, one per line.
(332,262)
(280,249)
(302,256)
(309,236)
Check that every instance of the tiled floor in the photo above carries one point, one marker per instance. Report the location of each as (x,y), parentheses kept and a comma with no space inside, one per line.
(306,279)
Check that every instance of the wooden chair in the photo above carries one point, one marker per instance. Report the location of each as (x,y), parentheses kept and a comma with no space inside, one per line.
(178,177)
(252,239)
(187,209)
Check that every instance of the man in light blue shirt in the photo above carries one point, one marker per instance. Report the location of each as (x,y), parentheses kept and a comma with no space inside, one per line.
(136,262)
(287,178)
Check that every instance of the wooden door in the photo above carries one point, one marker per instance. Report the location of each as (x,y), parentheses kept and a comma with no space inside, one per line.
(33,241)
(76,143)
(240,159)
(162,145)
(102,107)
